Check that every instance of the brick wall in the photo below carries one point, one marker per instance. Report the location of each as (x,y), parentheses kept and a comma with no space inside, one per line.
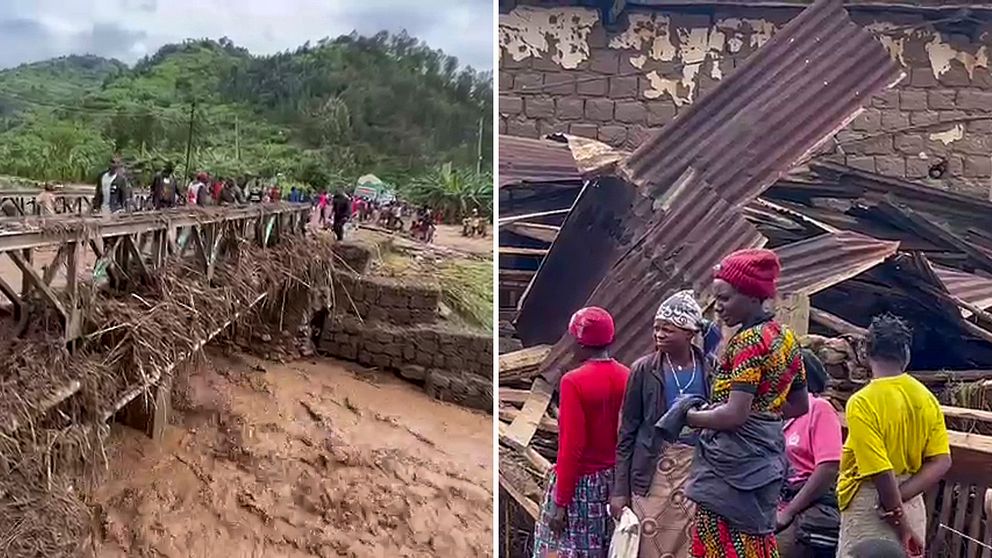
(455,365)
(561,71)
(387,300)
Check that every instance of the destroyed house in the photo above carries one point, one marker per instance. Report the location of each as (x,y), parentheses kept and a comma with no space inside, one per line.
(698,128)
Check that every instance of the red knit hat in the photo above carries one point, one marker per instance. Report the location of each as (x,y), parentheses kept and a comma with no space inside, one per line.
(592,327)
(753,272)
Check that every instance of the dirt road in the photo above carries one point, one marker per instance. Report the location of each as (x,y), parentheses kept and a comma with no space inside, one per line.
(303,459)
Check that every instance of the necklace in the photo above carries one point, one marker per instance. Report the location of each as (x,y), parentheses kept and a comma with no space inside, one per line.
(675,373)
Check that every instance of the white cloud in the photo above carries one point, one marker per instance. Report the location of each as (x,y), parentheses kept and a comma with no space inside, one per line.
(128,29)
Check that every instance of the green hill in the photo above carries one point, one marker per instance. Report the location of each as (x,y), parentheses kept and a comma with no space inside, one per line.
(322,114)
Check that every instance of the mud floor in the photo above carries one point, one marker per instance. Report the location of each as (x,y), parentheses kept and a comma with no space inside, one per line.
(314,458)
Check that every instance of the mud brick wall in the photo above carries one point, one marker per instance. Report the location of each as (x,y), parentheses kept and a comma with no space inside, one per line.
(454,365)
(386,300)
(561,70)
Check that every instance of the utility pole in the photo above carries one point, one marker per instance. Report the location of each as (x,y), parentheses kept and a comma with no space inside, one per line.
(237,140)
(478,166)
(189,138)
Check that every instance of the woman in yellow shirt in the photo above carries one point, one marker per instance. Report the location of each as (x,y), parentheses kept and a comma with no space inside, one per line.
(896,447)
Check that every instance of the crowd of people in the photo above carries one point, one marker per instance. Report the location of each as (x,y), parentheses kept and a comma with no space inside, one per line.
(734,453)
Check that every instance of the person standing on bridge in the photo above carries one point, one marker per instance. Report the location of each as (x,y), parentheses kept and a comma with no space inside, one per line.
(46,201)
(111,189)
(164,191)
(897,448)
(574,522)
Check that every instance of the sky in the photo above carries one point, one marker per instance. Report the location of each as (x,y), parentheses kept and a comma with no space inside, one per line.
(33,30)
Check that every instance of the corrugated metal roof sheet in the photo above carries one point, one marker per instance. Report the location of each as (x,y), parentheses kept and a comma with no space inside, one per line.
(530,160)
(809,266)
(682,243)
(971,288)
(794,93)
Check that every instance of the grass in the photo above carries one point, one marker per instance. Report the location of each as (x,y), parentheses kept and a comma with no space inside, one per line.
(467,287)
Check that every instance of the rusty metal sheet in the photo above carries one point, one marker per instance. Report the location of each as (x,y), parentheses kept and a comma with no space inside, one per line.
(795,92)
(601,213)
(687,236)
(973,289)
(809,266)
(526,160)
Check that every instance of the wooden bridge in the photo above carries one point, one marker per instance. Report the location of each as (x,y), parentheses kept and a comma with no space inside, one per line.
(53,257)
(123,245)
(67,202)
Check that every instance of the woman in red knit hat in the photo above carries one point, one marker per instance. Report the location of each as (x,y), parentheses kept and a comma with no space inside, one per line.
(740,465)
(574,520)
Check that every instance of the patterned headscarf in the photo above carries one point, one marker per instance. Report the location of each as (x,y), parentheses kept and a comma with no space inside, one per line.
(681,310)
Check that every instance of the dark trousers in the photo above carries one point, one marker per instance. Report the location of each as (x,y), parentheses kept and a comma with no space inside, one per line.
(339,227)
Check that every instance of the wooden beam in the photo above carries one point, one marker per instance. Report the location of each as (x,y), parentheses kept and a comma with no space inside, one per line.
(198,248)
(528,505)
(11,294)
(512,364)
(521,431)
(547,423)
(793,310)
(32,278)
(513,251)
(531,216)
(52,269)
(536,460)
(835,323)
(510,395)
(74,323)
(135,252)
(964,413)
(218,235)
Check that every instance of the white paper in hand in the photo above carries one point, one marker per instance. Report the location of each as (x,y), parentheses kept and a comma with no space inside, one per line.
(626,536)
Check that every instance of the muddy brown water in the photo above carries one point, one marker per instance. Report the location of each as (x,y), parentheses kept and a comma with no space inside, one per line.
(314,458)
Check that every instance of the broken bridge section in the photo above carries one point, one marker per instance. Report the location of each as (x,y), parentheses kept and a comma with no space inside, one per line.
(120,301)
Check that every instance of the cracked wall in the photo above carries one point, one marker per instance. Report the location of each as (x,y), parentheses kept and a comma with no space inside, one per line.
(561,71)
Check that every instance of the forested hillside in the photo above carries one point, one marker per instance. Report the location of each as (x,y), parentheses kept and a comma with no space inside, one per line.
(322,115)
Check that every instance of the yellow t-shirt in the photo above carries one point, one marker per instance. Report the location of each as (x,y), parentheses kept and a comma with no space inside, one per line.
(893,424)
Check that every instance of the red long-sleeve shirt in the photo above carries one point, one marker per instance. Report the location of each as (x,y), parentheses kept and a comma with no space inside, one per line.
(591,399)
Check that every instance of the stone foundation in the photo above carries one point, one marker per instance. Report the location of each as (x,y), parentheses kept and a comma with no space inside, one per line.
(394,324)
(387,300)
(454,365)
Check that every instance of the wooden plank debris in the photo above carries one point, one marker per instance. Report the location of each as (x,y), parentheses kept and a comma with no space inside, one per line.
(523,363)
(522,430)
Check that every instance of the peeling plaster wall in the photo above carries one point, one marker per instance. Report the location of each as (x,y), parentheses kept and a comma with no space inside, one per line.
(561,71)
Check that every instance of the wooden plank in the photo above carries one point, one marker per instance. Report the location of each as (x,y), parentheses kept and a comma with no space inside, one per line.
(547,423)
(510,395)
(835,323)
(521,431)
(198,248)
(966,414)
(793,310)
(525,358)
(74,324)
(11,294)
(32,278)
(536,460)
(528,505)
(513,251)
(52,269)
(132,248)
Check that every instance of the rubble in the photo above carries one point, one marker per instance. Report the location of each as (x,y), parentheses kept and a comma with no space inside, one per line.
(853,244)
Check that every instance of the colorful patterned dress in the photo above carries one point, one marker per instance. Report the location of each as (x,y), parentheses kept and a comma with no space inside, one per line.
(763,359)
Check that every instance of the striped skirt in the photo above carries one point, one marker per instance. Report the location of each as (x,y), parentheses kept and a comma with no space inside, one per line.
(589,528)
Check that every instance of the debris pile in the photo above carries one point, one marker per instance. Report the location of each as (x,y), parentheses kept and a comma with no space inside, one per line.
(852,245)
(56,403)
